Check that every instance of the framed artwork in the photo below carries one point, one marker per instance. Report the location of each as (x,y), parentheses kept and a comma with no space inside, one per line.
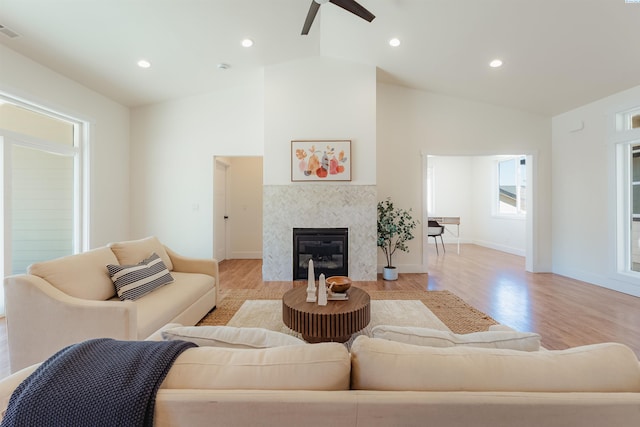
(321,160)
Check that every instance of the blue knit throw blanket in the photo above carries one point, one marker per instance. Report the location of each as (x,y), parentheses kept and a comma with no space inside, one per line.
(101,382)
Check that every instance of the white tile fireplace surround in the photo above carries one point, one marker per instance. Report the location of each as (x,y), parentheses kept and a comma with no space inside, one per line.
(318,206)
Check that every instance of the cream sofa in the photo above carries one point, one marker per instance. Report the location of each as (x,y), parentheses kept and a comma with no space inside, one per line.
(386,383)
(71,299)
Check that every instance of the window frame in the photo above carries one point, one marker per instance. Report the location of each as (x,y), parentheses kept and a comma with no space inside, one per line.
(622,138)
(80,153)
(520,195)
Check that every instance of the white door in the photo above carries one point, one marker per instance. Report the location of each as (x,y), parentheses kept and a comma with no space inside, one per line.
(220,210)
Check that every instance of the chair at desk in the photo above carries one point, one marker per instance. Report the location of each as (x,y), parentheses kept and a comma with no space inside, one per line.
(434,229)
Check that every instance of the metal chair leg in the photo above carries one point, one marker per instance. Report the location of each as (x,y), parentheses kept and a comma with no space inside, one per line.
(435,239)
(443,248)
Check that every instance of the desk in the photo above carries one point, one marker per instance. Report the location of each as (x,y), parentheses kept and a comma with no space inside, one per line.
(449,220)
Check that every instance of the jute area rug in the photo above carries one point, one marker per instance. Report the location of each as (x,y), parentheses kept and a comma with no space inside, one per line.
(452,311)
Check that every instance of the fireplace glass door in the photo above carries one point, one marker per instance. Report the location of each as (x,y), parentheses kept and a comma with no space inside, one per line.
(327,247)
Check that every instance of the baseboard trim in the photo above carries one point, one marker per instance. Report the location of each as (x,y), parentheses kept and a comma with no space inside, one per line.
(246,255)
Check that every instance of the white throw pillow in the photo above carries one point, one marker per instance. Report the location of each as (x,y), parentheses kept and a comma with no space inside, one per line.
(230,337)
(511,340)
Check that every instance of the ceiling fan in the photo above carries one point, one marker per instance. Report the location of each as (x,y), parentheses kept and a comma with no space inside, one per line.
(349,5)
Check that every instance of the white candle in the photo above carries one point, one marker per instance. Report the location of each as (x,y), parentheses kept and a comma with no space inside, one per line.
(311,284)
(312,277)
(322,291)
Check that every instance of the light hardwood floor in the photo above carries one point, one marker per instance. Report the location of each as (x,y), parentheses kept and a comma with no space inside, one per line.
(564,311)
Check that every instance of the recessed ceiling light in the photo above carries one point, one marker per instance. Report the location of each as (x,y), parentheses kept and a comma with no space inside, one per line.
(394,42)
(495,63)
(143,63)
(223,66)
(247,43)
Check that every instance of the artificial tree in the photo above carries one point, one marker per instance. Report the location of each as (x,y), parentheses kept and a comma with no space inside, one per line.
(395,228)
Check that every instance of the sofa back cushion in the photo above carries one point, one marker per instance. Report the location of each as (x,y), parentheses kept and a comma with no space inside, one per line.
(324,366)
(230,337)
(83,275)
(379,364)
(512,340)
(131,252)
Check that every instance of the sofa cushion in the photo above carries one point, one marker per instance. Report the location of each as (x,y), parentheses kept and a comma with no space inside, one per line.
(524,341)
(83,275)
(134,281)
(132,251)
(157,335)
(230,337)
(163,305)
(323,366)
(608,367)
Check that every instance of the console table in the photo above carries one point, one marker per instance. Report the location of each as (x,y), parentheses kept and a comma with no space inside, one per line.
(336,321)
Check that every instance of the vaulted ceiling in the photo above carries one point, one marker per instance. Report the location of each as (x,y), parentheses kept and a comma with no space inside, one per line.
(557,54)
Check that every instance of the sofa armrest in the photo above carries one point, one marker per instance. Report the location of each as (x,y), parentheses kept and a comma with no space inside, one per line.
(41,319)
(185,264)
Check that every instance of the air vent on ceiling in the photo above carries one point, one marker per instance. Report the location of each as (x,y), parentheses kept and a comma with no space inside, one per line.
(8,32)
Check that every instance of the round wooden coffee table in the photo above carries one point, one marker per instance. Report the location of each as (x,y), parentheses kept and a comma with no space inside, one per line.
(336,321)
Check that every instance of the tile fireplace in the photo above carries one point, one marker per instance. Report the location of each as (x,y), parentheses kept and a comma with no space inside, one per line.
(352,207)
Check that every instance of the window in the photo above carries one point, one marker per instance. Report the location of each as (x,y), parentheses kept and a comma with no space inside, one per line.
(628,120)
(635,207)
(628,191)
(43,182)
(512,175)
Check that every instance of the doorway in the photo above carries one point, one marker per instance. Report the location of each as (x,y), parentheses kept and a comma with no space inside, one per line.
(237,207)
(469,187)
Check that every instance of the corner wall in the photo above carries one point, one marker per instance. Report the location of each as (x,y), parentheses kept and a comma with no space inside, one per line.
(584,193)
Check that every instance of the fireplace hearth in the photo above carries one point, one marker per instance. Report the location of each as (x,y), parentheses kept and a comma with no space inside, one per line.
(327,247)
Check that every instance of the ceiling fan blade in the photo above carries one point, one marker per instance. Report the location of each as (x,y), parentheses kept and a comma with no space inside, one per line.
(313,11)
(355,8)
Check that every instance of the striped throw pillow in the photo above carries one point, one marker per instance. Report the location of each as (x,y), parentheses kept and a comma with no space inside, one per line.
(135,281)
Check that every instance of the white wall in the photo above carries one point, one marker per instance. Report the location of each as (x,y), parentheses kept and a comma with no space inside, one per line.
(109,150)
(173,145)
(454,186)
(320,98)
(314,98)
(412,122)
(172,150)
(584,199)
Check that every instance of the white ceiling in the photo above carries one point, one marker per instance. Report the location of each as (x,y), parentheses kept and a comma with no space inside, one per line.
(558,54)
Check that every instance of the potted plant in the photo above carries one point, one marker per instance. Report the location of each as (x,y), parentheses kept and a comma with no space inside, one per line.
(395,228)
